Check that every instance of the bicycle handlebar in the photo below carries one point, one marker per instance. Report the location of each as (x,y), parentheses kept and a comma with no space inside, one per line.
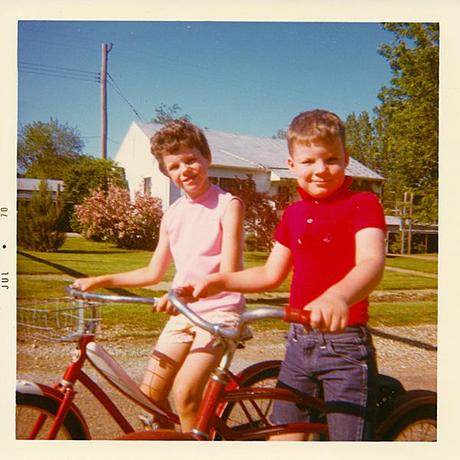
(287,314)
(108,297)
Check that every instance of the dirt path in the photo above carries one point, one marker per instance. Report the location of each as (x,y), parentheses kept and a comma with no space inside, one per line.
(408,354)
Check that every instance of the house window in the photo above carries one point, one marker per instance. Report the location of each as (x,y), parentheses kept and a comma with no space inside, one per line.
(147,186)
(227,183)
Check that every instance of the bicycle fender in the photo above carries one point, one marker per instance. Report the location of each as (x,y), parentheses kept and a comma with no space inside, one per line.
(404,404)
(39,389)
(158,435)
(251,370)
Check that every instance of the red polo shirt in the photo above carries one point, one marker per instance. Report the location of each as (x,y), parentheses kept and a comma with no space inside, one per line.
(321,236)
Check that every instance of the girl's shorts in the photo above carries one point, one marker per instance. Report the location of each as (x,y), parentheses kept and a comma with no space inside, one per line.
(179,329)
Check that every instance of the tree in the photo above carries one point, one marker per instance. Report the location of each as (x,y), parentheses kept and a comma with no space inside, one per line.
(360,140)
(165,113)
(46,150)
(407,119)
(280,134)
(260,214)
(89,173)
(39,221)
(83,176)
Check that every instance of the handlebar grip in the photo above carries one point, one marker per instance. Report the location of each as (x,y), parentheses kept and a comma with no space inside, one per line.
(292,315)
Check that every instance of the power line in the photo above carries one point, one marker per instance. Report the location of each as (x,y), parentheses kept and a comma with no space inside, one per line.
(58,68)
(118,90)
(48,74)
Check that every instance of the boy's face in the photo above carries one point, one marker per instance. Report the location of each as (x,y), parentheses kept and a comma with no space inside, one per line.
(188,169)
(320,167)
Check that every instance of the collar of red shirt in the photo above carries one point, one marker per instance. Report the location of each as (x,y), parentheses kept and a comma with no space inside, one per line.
(338,193)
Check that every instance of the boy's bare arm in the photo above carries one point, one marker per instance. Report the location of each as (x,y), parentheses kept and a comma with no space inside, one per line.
(232,237)
(255,279)
(330,310)
(151,274)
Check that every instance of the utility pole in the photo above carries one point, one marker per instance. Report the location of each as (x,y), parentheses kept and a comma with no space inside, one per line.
(105,50)
(403,225)
(409,234)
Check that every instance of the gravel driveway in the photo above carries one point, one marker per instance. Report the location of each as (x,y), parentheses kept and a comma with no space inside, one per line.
(407,353)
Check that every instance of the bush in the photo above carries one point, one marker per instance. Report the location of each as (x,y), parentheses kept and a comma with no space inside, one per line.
(261,216)
(111,216)
(39,221)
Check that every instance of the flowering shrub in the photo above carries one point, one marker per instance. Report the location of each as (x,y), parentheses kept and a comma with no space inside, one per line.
(111,216)
(261,214)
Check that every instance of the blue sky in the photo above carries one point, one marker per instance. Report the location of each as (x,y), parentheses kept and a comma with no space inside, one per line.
(240,77)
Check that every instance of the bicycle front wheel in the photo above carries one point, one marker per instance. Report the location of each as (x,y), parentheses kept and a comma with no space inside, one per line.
(35,415)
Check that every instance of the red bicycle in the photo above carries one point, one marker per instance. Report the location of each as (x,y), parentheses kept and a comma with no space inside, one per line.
(234,407)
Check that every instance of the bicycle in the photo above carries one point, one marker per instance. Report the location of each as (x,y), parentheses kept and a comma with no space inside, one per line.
(230,410)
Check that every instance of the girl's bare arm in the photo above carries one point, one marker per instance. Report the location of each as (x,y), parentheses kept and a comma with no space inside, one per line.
(146,276)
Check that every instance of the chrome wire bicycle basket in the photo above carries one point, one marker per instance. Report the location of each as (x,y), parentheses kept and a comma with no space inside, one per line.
(58,320)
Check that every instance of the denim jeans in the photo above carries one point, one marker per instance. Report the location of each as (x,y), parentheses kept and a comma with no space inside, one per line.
(341,368)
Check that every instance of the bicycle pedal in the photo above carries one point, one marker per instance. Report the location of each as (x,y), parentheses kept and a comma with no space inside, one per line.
(148,421)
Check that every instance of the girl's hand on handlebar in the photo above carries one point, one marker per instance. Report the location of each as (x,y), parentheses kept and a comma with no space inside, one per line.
(85,284)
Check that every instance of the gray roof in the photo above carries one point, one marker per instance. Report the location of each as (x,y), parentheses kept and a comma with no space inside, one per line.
(243,151)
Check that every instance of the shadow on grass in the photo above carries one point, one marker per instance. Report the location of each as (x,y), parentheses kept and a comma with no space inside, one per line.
(281,302)
(71,272)
(397,338)
(81,251)
(270,301)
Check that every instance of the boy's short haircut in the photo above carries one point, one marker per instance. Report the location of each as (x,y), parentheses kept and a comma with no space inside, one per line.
(175,135)
(313,126)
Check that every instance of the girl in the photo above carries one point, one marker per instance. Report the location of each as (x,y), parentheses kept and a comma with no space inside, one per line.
(202,232)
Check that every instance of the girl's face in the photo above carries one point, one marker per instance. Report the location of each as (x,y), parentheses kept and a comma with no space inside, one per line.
(320,167)
(188,169)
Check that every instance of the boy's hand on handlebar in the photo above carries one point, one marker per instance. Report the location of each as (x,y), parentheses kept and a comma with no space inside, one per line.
(165,306)
(329,312)
(206,287)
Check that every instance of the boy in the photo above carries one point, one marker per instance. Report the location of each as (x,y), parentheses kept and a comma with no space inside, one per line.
(334,241)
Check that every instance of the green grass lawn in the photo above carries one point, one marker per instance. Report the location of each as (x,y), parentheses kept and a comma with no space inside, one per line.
(395,280)
(413,263)
(402,313)
(79,258)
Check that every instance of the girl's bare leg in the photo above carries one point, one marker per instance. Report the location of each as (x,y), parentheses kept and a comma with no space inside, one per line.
(161,371)
(192,378)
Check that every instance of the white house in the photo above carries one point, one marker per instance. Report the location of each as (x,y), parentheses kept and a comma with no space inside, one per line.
(233,156)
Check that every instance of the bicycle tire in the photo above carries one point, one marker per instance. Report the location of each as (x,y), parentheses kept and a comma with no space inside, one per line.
(418,423)
(30,406)
(243,415)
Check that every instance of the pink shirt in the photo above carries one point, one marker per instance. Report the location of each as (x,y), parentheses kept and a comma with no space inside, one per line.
(194,228)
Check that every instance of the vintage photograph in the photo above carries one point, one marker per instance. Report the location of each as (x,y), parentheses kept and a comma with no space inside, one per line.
(228,228)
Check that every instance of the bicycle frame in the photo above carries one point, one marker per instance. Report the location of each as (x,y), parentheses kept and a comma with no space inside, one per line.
(64,393)
(223,388)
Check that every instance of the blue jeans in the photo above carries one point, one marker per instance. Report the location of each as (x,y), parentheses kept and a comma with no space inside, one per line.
(339,367)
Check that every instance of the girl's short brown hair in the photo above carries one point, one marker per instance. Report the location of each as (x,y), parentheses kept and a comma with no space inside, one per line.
(175,135)
(315,125)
